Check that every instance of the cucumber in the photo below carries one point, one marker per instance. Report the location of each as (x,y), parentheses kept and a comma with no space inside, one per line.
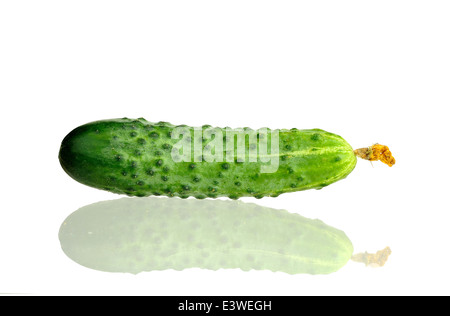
(139,158)
(133,235)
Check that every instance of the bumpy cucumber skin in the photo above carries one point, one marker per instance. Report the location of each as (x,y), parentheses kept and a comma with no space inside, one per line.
(133,157)
(133,235)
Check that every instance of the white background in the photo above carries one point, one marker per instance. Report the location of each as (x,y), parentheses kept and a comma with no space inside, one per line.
(370,71)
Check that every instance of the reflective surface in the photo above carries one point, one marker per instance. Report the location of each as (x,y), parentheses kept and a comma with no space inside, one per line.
(144,234)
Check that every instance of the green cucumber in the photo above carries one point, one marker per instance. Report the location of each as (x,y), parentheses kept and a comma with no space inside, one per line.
(133,235)
(140,158)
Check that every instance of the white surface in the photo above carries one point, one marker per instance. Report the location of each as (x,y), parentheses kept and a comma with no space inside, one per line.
(368,71)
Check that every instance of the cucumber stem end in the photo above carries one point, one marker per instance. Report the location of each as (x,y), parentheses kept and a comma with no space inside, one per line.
(374,260)
(376,152)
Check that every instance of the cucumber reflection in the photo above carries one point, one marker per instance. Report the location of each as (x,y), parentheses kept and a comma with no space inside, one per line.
(145,234)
